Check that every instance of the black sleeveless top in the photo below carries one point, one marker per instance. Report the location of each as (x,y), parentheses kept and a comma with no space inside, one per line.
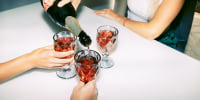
(176,35)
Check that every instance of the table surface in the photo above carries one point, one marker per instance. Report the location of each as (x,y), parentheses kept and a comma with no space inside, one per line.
(143,70)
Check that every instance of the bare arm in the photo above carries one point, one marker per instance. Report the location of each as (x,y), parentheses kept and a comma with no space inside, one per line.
(14,67)
(165,14)
(44,57)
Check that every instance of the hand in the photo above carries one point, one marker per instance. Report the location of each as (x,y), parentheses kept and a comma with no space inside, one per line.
(109,13)
(85,91)
(48,58)
(49,3)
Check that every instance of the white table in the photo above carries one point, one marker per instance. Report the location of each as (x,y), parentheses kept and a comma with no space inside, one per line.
(144,70)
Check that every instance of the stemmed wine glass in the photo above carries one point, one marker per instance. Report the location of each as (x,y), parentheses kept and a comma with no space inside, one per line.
(87,64)
(65,41)
(106,39)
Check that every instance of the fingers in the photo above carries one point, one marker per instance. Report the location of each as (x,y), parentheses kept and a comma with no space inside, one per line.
(105,12)
(65,66)
(47,4)
(61,54)
(56,54)
(79,85)
(63,2)
(102,11)
(76,3)
(49,58)
(49,47)
(55,65)
(62,61)
(91,84)
(99,12)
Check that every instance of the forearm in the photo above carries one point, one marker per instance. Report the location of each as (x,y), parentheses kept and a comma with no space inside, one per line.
(163,17)
(44,57)
(141,28)
(14,67)
(144,29)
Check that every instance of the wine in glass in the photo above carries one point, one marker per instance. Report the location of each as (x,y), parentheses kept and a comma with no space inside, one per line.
(106,38)
(87,64)
(65,41)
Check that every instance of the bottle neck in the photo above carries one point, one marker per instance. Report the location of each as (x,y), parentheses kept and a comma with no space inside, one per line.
(84,39)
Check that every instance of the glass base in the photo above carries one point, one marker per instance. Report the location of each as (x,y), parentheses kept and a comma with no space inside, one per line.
(66,73)
(106,63)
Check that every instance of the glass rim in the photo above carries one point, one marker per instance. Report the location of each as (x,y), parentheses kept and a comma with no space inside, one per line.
(87,50)
(74,36)
(116,33)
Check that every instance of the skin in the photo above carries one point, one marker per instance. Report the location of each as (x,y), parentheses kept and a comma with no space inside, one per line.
(163,17)
(48,58)
(82,91)
(85,91)
(45,57)
(49,3)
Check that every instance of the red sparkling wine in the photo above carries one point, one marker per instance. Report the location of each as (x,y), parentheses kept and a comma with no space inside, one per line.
(104,37)
(64,44)
(87,68)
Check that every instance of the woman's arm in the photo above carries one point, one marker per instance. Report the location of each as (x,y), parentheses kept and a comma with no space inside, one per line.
(14,67)
(44,57)
(163,17)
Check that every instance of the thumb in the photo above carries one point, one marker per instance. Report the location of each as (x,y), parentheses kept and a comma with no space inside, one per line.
(80,85)
(91,84)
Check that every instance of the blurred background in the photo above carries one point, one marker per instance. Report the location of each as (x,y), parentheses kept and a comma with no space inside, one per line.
(10,4)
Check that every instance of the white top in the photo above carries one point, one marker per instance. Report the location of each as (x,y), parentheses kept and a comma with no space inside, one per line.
(143,70)
(142,10)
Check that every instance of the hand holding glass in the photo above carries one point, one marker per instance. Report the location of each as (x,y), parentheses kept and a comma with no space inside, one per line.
(65,41)
(87,64)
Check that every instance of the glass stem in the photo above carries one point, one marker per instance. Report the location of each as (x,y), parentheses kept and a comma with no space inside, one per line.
(105,53)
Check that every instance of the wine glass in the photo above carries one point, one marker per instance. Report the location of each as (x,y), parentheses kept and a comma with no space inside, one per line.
(106,39)
(65,41)
(87,64)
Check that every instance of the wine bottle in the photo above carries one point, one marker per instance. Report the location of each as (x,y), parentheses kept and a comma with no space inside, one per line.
(72,24)
(66,17)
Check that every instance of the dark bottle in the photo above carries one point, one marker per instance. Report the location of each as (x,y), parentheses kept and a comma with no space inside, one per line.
(66,17)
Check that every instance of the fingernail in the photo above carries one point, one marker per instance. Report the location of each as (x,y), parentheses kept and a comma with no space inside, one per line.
(60,4)
(45,1)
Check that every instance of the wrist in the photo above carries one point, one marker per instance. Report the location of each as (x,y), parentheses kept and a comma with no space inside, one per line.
(124,21)
(28,61)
